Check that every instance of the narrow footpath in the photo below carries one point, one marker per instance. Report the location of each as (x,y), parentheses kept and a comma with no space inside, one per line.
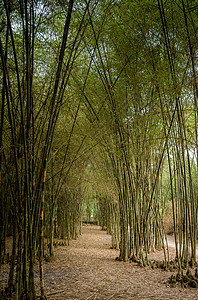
(87,270)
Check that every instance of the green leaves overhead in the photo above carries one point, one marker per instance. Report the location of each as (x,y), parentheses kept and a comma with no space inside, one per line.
(99,101)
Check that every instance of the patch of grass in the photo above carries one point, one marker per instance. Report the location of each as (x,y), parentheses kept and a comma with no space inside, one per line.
(99,288)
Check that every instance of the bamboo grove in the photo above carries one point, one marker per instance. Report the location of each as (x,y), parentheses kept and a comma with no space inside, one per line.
(98,115)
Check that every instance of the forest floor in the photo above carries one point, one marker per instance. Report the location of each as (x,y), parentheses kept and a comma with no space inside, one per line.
(87,270)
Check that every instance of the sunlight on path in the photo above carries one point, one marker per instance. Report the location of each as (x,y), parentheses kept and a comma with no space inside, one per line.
(171,244)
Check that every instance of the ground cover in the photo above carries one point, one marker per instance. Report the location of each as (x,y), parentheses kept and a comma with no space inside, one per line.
(87,270)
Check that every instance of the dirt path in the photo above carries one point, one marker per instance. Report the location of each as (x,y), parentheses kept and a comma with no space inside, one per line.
(87,269)
(171,244)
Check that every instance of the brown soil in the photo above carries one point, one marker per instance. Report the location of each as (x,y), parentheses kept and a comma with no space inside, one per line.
(87,270)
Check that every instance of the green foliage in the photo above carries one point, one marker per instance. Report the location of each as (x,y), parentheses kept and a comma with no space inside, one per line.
(113,112)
